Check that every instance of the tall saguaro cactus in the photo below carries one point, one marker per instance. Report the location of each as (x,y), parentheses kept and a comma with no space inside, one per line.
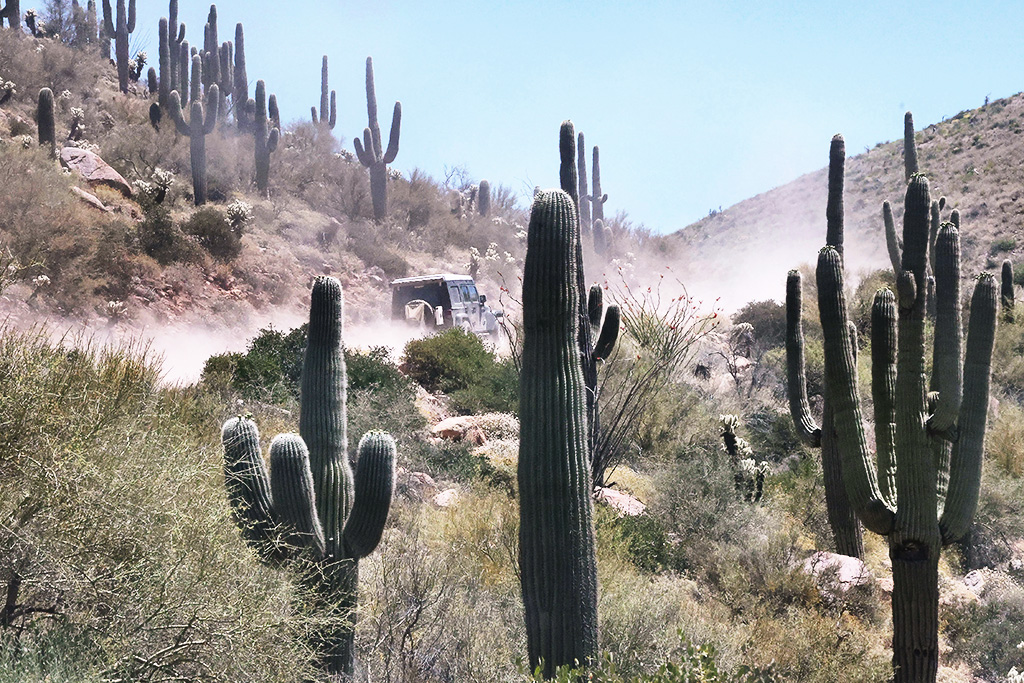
(845,529)
(556,535)
(328,105)
(900,490)
(589,354)
(240,97)
(266,139)
(581,174)
(370,151)
(310,505)
(45,122)
(597,199)
(200,124)
(119,27)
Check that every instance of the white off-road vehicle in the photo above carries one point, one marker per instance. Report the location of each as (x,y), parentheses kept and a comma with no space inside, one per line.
(435,302)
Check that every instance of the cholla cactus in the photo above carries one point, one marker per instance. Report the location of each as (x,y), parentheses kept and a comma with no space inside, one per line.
(748,473)
(239,213)
(7,91)
(77,124)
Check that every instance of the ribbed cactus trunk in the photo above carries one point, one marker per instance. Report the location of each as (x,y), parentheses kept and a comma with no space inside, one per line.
(200,124)
(581,175)
(45,122)
(164,85)
(240,97)
(1006,290)
(909,147)
(483,201)
(556,537)
(266,138)
(597,199)
(842,518)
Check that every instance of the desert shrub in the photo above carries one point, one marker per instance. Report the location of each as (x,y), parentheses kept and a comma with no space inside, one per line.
(161,239)
(270,370)
(642,538)
(458,363)
(1003,244)
(985,634)
(212,230)
(864,298)
(768,318)
(115,542)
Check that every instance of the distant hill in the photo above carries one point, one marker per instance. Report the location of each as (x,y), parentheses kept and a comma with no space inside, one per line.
(973,159)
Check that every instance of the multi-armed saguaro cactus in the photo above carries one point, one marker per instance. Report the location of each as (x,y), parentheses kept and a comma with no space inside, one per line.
(266,138)
(211,59)
(483,199)
(371,153)
(12,13)
(310,505)
(556,536)
(597,199)
(119,27)
(842,518)
(588,312)
(200,124)
(45,122)
(900,491)
(325,118)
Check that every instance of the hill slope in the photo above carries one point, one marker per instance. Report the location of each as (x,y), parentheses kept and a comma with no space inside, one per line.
(973,159)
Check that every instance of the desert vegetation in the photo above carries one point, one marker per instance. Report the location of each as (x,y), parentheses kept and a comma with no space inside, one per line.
(635,486)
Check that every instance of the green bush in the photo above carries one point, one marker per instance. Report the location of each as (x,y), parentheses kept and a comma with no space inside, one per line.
(1002,245)
(458,363)
(164,241)
(768,319)
(212,230)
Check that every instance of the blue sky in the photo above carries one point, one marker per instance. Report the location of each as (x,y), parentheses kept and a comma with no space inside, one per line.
(694,105)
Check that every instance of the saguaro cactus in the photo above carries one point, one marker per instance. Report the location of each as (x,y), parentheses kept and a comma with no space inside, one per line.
(597,199)
(909,146)
(200,124)
(310,505)
(845,529)
(483,199)
(556,536)
(45,122)
(588,312)
(326,119)
(164,86)
(1006,290)
(899,491)
(581,174)
(174,47)
(12,13)
(371,153)
(119,27)
(266,139)
(240,97)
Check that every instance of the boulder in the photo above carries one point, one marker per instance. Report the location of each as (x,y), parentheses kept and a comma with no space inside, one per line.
(836,571)
(93,169)
(446,498)
(623,503)
(418,486)
(455,428)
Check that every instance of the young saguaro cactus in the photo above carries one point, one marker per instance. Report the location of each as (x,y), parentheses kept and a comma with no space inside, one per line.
(901,490)
(310,506)
(119,27)
(846,530)
(556,534)
(325,118)
(266,138)
(45,122)
(1006,289)
(370,151)
(483,199)
(200,124)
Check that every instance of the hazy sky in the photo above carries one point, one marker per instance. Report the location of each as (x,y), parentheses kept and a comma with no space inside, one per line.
(694,105)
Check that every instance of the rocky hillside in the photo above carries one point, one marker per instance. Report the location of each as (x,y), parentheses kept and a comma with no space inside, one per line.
(973,159)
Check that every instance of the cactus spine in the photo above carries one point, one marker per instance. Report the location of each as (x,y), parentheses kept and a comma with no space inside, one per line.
(904,504)
(119,27)
(310,506)
(845,529)
(200,124)
(325,118)
(588,312)
(45,122)
(266,139)
(371,153)
(483,200)
(556,537)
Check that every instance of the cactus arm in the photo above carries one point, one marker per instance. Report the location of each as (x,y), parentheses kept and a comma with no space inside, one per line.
(954,218)
(313,116)
(567,168)
(322,417)
(1006,288)
(108,20)
(933,231)
(948,330)
(892,240)
(131,16)
(841,378)
(595,307)
(799,406)
(334,111)
(272,139)
(581,174)
(883,390)
(324,104)
(291,485)
(396,131)
(609,334)
(165,63)
(364,149)
(834,208)
(909,146)
(248,486)
(374,488)
(196,87)
(968,451)
(273,112)
(371,109)
(176,115)
(213,103)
